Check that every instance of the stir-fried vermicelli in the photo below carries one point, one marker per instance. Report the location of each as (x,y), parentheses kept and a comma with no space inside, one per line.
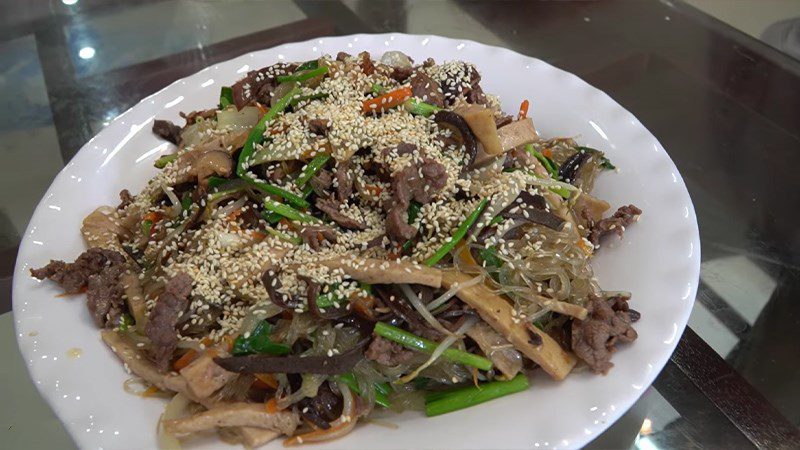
(345,234)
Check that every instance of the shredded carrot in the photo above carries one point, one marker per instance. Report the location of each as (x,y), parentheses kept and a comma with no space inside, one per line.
(475,376)
(234,214)
(257,235)
(185,360)
(587,248)
(388,100)
(229,340)
(153,216)
(152,390)
(548,152)
(523,110)
(267,379)
(374,189)
(272,406)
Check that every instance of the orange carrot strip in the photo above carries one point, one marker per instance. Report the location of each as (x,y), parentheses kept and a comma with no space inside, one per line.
(185,360)
(271,406)
(523,110)
(388,100)
(152,390)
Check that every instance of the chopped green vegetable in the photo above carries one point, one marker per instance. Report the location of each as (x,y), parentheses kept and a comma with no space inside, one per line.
(377,89)
(548,163)
(423,345)
(125,322)
(289,212)
(215,182)
(256,135)
(296,240)
(420,108)
(186,201)
(311,169)
(442,402)
(458,235)
(271,217)
(225,97)
(413,212)
(258,341)
(381,389)
(290,197)
(147,226)
(605,163)
(489,254)
(329,299)
(165,160)
(496,220)
(302,75)
(308,65)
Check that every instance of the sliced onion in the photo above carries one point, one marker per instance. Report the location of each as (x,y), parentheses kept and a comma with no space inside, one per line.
(231,207)
(281,91)
(439,301)
(417,303)
(176,203)
(243,119)
(444,345)
(176,408)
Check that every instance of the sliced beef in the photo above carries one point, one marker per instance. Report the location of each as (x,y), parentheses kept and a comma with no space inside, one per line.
(344,180)
(167,130)
(387,353)
(74,277)
(397,226)
(160,328)
(321,182)
(98,270)
(426,89)
(617,223)
(104,296)
(125,199)
(315,235)
(594,339)
(319,127)
(366,64)
(401,74)
(259,84)
(419,181)
(330,206)
(342,56)
(463,82)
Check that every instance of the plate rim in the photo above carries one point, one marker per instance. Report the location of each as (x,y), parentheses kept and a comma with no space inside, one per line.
(693,264)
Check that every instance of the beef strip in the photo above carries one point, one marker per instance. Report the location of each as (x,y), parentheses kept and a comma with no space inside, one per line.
(167,130)
(160,328)
(454,86)
(407,185)
(342,56)
(426,89)
(594,338)
(330,206)
(344,180)
(125,199)
(314,235)
(387,353)
(321,182)
(73,277)
(401,74)
(98,270)
(204,113)
(366,63)
(617,223)
(319,127)
(259,84)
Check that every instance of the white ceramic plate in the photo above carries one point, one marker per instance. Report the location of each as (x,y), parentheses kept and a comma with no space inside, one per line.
(658,261)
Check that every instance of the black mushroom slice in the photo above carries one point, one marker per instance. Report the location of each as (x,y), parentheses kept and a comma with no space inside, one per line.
(455,122)
(323,408)
(323,365)
(312,294)
(532,208)
(569,169)
(167,130)
(272,283)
